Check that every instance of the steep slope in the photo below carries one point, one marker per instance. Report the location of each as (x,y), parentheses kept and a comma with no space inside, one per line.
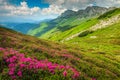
(80,63)
(43,28)
(103,36)
(69,19)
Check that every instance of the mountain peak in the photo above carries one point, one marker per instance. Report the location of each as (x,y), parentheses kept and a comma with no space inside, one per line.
(94,7)
(94,10)
(67,13)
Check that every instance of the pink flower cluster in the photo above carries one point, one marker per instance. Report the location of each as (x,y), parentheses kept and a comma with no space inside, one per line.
(18,63)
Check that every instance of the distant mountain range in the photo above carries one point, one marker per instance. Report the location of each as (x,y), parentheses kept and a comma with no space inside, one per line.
(20,27)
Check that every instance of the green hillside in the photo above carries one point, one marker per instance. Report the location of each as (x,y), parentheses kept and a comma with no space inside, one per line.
(39,29)
(55,26)
(67,21)
(77,63)
(83,26)
(106,40)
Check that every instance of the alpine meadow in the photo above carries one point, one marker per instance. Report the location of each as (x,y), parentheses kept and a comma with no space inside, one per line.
(59,40)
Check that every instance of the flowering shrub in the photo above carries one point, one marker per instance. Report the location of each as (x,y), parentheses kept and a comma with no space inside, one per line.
(22,67)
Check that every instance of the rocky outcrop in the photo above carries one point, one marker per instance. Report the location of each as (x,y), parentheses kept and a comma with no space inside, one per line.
(106,23)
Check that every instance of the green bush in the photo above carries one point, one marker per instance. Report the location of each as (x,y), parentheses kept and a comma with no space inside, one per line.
(85,33)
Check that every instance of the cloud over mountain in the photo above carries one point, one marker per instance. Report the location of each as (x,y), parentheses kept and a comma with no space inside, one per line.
(55,8)
(78,4)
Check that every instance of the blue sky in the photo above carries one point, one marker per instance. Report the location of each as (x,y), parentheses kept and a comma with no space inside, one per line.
(31,3)
(37,10)
(28,10)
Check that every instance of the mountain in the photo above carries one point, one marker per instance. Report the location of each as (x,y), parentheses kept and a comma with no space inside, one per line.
(26,57)
(94,10)
(107,19)
(103,35)
(90,11)
(67,13)
(67,20)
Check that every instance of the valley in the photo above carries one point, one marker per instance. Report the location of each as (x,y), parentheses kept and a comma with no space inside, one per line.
(82,45)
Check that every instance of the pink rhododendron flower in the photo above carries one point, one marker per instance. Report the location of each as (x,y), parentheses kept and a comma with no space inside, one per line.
(13,77)
(51,67)
(61,67)
(11,71)
(65,73)
(93,79)
(22,65)
(18,62)
(76,75)
(11,65)
(19,73)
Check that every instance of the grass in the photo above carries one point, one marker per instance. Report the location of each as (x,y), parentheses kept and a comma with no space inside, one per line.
(107,36)
(83,26)
(39,29)
(91,63)
(61,26)
(105,47)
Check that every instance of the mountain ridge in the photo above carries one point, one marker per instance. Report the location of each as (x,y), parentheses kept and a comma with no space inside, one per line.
(69,19)
(89,11)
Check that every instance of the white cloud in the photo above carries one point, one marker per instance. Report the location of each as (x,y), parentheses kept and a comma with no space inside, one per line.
(70,4)
(53,9)
(24,11)
(80,4)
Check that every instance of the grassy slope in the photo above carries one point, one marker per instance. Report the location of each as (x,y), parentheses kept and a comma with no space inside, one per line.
(63,24)
(106,45)
(107,39)
(60,26)
(82,26)
(91,63)
(108,35)
(39,29)
(64,28)
(79,25)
